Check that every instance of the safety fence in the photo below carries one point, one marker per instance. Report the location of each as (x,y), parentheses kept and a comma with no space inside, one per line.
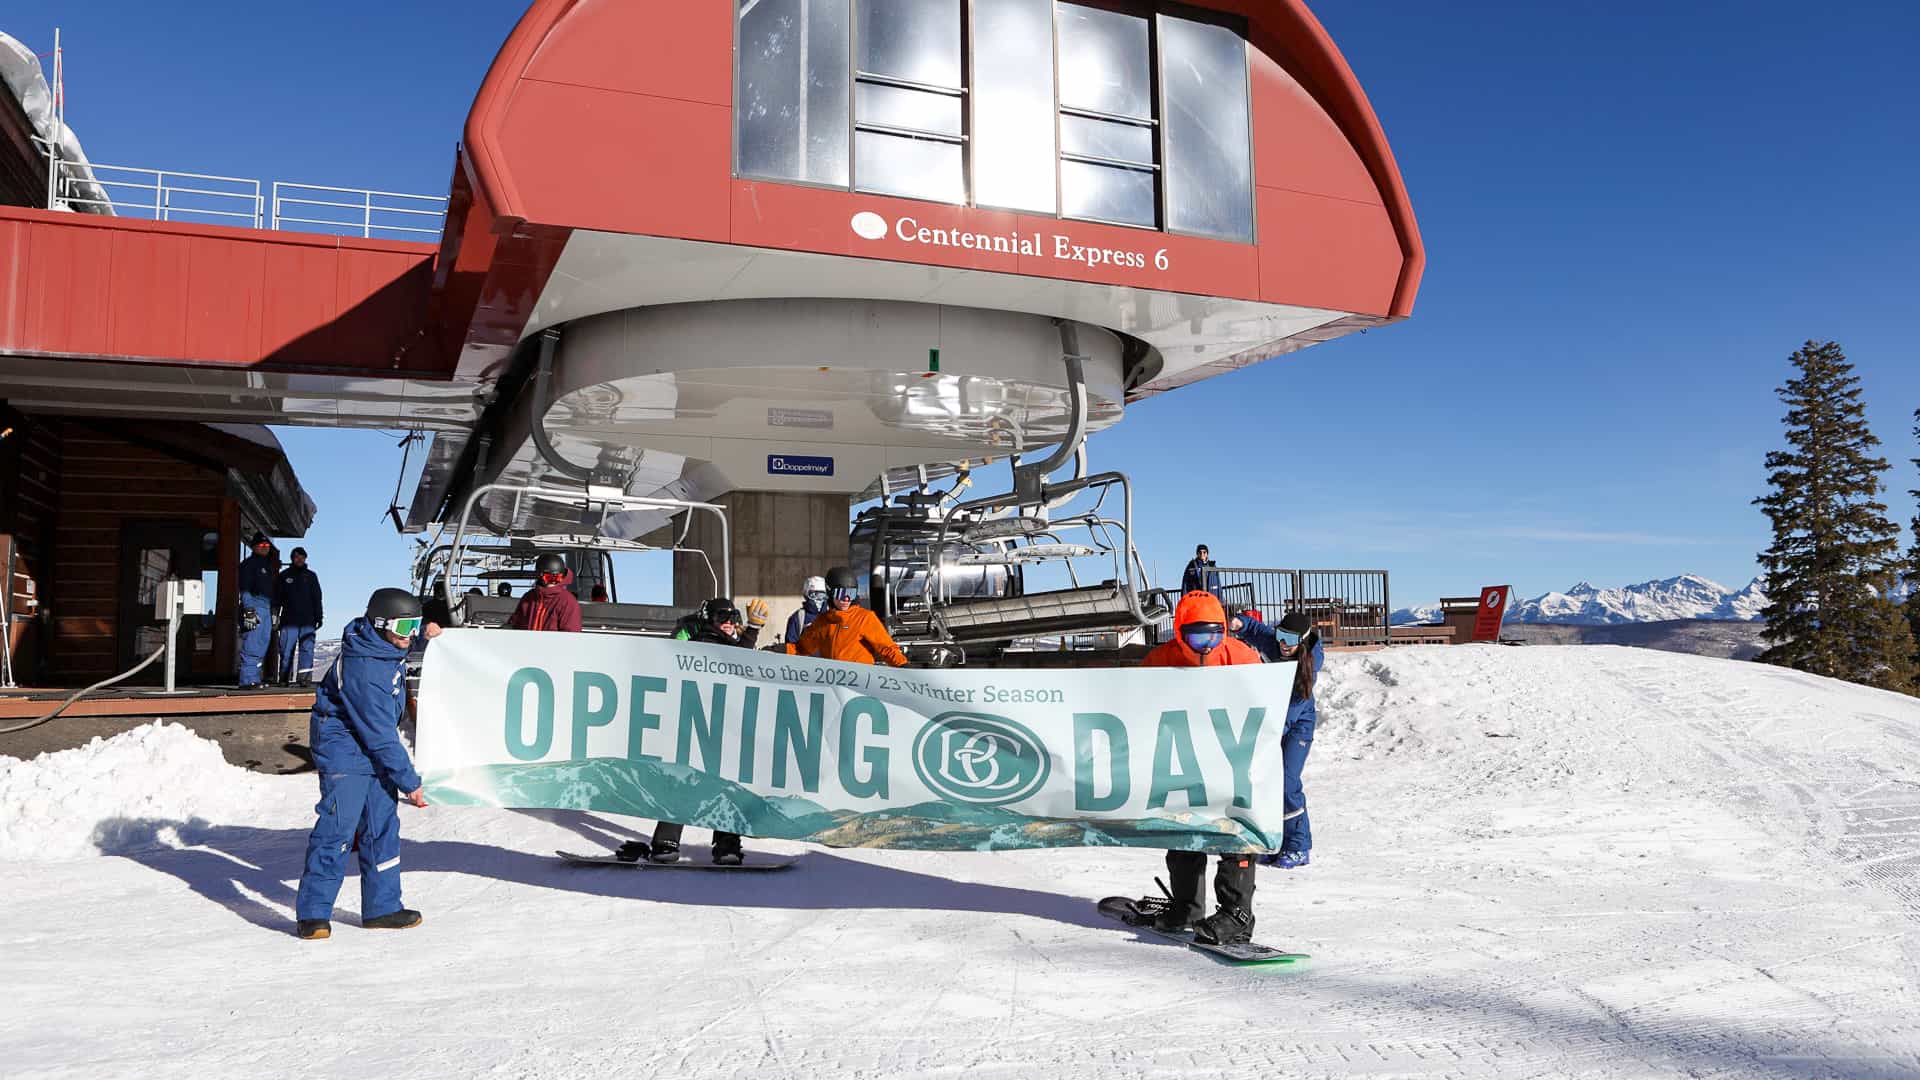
(1349,607)
(208,199)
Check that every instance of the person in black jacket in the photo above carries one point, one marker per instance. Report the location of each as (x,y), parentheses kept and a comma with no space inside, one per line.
(1201,575)
(301,616)
(257,581)
(717,622)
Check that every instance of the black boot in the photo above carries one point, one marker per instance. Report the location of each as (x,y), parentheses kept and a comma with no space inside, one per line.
(726,849)
(666,842)
(404,919)
(1186,873)
(314,929)
(1232,923)
(632,851)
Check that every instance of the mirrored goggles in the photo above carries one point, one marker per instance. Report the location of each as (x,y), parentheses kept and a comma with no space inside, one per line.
(1287,637)
(1203,639)
(402,627)
(817,596)
(843,594)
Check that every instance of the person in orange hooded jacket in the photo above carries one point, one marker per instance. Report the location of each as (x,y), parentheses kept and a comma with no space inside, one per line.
(1201,640)
(847,631)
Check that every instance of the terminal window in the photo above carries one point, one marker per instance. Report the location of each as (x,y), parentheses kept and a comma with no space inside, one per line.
(1127,113)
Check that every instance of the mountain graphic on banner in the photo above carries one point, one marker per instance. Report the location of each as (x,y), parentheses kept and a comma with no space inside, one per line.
(665,791)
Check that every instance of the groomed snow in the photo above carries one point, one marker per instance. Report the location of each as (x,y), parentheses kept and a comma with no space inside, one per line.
(1580,861)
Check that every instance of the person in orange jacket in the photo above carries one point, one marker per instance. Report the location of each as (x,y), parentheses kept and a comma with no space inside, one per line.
(1201,640)
(847,631)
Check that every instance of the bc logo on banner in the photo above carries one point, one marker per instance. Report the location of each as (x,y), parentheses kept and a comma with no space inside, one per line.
(980,759)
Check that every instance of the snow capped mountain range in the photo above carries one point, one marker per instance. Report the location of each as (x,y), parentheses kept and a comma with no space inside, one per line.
(1688,596)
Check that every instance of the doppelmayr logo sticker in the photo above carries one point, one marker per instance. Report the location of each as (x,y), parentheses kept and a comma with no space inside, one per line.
(871,226)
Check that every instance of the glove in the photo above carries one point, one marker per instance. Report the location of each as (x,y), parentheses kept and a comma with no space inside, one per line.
(757,612)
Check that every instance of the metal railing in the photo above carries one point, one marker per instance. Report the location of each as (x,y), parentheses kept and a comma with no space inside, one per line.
(357,211)
(162,195)
(1351,607)
(166,195)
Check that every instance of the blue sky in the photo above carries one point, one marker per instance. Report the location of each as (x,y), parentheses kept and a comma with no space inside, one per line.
(1633,214)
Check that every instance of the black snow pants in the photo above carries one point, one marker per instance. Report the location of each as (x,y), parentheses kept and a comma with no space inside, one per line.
(1232,882)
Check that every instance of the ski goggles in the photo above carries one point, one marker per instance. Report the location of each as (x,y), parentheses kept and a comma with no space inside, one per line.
(1203,637)
(840,595)
(817,597)
(1286,637)
(405,626)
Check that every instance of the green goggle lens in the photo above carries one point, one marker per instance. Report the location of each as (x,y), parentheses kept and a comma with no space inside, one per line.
(403,627)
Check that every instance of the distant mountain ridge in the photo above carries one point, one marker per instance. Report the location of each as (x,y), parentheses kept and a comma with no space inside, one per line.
(1688,596)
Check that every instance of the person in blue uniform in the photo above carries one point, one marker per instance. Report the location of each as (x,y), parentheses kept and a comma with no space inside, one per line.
(258,572)
(364,769)
(297,594)
(1293,639)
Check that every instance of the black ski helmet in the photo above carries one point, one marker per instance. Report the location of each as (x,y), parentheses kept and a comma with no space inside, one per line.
(720,609)
(841,577)
(387,605)
(550,564)
(1296,622)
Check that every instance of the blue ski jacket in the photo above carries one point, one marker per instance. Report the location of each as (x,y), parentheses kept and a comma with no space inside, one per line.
(257,574)
(1261,637)
(355,727)
(798,622)
(298,595)
(1199,577)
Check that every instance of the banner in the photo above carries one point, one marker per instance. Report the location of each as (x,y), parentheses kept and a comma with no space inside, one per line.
(853,755)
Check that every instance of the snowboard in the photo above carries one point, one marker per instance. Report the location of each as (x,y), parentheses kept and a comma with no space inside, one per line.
(1118,908)
(754,862)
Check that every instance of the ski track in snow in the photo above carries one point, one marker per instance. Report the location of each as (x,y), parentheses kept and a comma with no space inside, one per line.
(1581,861)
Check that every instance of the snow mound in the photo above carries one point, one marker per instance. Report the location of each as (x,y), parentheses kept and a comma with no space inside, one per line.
(116,795)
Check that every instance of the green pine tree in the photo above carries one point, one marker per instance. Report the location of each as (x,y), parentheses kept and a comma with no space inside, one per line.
(1835,553)
(1913,556)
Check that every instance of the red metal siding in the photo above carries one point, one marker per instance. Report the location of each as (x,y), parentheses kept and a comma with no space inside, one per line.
(653,165)
(81,285)
(620,45)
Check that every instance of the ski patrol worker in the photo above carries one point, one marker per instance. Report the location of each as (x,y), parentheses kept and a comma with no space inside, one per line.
(364,770)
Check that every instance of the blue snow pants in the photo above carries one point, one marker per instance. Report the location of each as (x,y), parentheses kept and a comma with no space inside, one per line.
(255,642)
(296,639)
(1294,744)
(352,806)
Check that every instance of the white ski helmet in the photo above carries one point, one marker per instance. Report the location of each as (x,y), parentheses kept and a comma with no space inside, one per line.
(814,584)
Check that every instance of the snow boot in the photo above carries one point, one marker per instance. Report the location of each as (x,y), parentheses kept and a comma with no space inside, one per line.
(1233,882)
(664,851)
(726,850)
(1228,926)
(404,919)
(632,851)
(314,929)
(1188,872)
(1290,860)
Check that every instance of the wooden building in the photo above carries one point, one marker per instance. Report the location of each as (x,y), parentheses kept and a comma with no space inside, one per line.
(95,512)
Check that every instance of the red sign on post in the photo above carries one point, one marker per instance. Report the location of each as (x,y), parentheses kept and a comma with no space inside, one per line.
(1493,608)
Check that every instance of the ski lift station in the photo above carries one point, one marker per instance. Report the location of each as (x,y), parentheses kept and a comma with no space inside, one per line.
(705,276)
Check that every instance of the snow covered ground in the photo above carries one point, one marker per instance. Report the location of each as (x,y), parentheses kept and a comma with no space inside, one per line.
(1529,862)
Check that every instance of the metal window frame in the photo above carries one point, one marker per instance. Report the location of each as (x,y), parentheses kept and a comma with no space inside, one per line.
(1163,10)
(1152,11)
(855,125)
(1053,82)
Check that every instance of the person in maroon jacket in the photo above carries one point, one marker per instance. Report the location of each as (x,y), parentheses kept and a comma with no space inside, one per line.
(549,605)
